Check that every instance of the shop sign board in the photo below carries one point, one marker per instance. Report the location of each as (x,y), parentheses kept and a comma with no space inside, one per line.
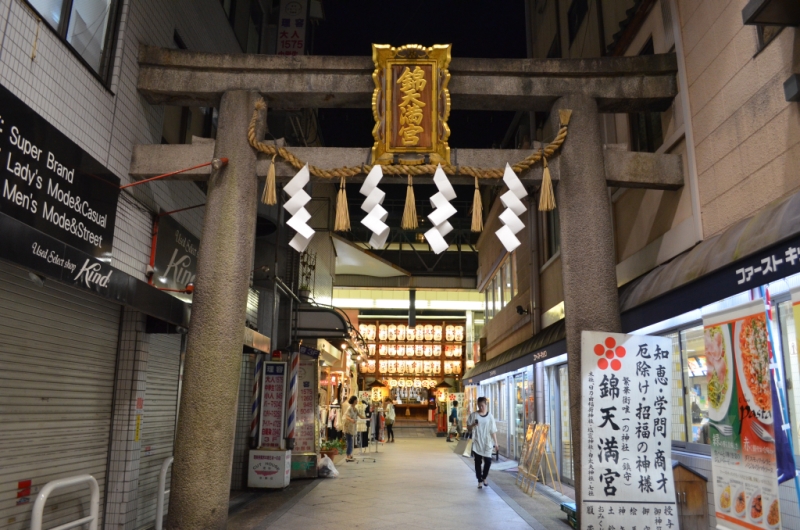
(411,104)
(742,418)
(175,263)
(626,420)
(49,183)
(269,469)
(273,411)
(292,27)
(306,427)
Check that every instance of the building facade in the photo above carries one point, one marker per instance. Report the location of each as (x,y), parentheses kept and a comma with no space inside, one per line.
(736,130)
(92,350)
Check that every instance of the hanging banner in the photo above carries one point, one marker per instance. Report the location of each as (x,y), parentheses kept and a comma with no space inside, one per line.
(742,418)
(626,417)
(273,411)
(305,429)
(292,27)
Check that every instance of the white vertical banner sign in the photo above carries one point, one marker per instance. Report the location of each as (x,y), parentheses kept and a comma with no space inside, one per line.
(292,27)
(305,433)
(273,395)
(626,424)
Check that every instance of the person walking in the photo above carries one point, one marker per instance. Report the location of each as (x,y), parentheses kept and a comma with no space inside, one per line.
(484,440)
(389,416)
(350,421)
(453,429)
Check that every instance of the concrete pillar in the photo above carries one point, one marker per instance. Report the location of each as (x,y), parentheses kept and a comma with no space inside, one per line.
(587,246)
(201,473)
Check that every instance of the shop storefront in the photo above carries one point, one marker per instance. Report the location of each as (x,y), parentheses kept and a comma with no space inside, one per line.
(527,384)
(64,315)
(414,362)
(686,300)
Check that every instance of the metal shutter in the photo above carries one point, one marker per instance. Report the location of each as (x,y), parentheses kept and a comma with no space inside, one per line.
(58,349)
(158,422)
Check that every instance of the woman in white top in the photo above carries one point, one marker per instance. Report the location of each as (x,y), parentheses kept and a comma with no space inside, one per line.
(389,414)
(484,440)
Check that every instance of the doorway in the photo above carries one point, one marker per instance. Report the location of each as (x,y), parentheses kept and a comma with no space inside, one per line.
(557,382)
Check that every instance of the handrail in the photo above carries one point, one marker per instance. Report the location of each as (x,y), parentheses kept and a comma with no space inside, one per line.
(162,491)
(41,499)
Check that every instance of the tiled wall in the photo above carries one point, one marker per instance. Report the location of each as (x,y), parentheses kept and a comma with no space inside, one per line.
(106,121)
(790,514)
(130,387)
(747,135)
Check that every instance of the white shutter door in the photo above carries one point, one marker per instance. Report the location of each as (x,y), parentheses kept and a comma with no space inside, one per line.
(58,349)
(158,422)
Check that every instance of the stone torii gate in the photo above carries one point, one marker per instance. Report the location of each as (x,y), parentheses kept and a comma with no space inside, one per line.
(233,83)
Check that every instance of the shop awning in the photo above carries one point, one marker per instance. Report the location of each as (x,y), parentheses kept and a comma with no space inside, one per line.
(755,251)
(319,322)
(549,342)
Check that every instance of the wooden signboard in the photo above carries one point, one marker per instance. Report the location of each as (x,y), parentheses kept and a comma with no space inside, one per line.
(411,104)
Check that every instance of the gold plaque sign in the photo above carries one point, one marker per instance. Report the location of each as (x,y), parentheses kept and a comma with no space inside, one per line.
(411,104)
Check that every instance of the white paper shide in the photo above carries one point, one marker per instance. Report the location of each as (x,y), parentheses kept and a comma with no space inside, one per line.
(512,200)
(376,214)
(298,198)
(626,420)
(443,211)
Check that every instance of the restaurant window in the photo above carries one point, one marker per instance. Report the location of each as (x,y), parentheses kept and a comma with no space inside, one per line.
(678,410)
(508,290)
(515,283)
(694,377)
(85,25)
(497,283)
(489,303)
(791,368)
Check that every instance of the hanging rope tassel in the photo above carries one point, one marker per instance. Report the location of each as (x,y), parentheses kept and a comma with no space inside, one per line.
(269,197)
(547,200)
(342,223)
(410,211)
(477,210)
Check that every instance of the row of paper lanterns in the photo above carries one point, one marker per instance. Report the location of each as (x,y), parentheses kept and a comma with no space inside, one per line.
(376,216)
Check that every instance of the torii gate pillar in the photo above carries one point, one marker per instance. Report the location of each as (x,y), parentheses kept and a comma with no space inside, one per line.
(587,248)
(201,474)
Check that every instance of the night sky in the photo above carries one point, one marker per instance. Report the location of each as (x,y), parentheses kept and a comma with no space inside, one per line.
(475,28)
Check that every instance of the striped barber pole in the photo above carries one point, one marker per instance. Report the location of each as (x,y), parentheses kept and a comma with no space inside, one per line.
(291,415)
(255,407)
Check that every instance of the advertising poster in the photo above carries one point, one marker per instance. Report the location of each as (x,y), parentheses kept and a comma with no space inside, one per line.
(292,27)
(273,411)
(306,388)
(626,450)
(741,418)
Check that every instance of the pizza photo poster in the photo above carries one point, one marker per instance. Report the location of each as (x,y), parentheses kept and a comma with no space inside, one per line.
(626,449)
(741,418)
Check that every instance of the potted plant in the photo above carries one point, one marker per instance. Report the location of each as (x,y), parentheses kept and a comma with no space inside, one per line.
(305,293)
(331,448)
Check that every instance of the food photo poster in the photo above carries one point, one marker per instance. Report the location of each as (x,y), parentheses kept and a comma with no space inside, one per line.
(742,418)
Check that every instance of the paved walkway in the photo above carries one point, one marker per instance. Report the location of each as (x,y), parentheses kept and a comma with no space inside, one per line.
(415,484)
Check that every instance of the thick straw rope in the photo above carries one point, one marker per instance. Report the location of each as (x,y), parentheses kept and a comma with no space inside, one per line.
(398,169)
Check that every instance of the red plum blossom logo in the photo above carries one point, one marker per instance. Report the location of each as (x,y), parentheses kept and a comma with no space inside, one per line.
(609,351)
